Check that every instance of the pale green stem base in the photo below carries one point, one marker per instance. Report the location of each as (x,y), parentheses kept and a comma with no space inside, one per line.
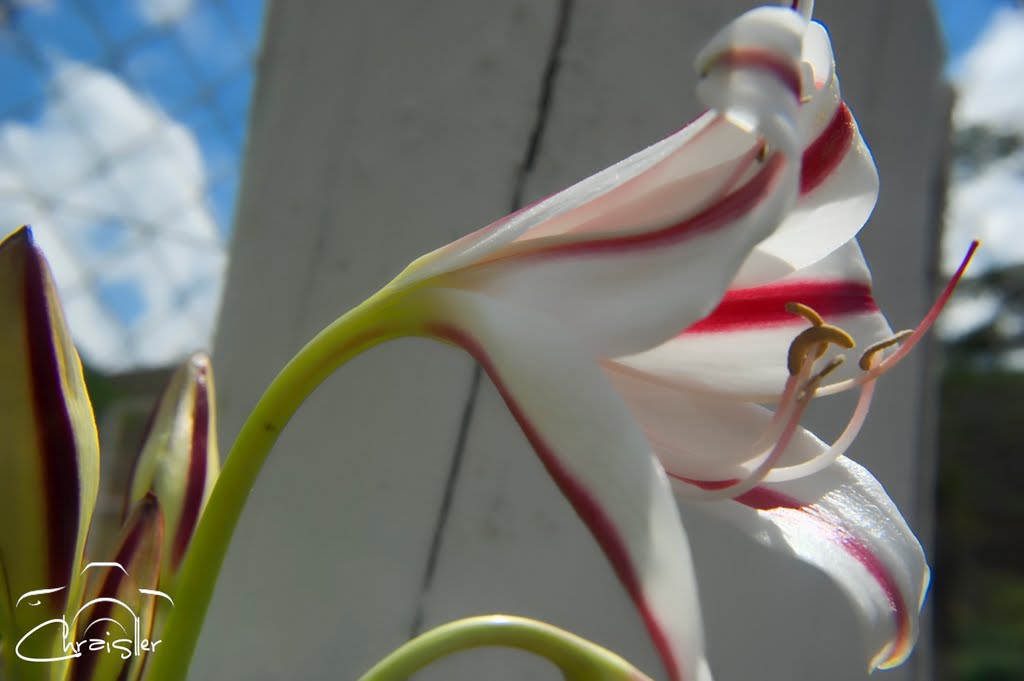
(577,658)
(373,322)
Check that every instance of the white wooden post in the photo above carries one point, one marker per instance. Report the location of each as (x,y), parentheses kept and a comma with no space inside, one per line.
(383,129)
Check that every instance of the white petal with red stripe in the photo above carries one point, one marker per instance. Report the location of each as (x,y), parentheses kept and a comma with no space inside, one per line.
(753,77)
(751,74)
(628,291)
(627,294)
(841,521)
(676,176)
(740,349)
(838,179)
(588,442)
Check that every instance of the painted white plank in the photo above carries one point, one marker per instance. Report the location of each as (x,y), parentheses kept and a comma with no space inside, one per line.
(380,131)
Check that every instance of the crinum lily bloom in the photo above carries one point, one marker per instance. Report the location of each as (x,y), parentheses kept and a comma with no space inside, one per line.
(561,302)
(621,262)
(49,479)
(698,396)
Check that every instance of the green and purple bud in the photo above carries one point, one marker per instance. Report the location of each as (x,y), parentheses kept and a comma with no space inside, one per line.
(49,458)
(114,625)
(178,462)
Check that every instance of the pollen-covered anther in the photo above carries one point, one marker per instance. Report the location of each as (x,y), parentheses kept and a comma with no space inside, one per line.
(805,311)
(867,359)
(814,341)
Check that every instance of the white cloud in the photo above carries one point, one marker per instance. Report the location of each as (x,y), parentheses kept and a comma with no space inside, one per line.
(989,206)
(965,314)
(114,190)
(990,80)
(163,11)
(1013,360)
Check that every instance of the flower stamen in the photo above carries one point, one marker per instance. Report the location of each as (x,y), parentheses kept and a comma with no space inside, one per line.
(815,341)
(867,358)
(810,345)
(812,383)
(906,341)
(782,428)
(791,412)
(804,383)
(837,448)
(853,426)
(799,390)
(805,311)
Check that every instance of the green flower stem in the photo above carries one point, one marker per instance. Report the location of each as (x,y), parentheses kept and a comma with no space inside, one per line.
(577,658)
(380,318)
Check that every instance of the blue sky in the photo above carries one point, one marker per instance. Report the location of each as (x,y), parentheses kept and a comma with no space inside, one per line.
(121,142)
(963,21)
(122,125)
(197,68)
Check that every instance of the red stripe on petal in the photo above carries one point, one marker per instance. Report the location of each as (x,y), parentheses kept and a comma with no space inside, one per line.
(827,151)
(770,501)
(586,506)
(59,448)
(765,306)
(717,215)
(862,552)
(195,485)
(763,60)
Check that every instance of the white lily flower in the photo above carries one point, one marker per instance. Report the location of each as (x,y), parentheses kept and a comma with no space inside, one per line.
(598,313)
(621,262)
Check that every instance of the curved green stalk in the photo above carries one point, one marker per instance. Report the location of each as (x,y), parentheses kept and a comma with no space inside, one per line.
(577,658)
(374,321)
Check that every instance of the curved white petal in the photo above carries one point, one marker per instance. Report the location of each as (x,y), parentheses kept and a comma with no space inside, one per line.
(805,7)
(627,292)
(839,182)
(841,521)
(678,176)
(585,437)
(673,177)
(740,349)
(752,68)
(752,76)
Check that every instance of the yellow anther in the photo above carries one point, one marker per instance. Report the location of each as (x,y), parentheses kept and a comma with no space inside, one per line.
(762,153)
(816,340)
(813,381)
(869,354)
(806,312)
